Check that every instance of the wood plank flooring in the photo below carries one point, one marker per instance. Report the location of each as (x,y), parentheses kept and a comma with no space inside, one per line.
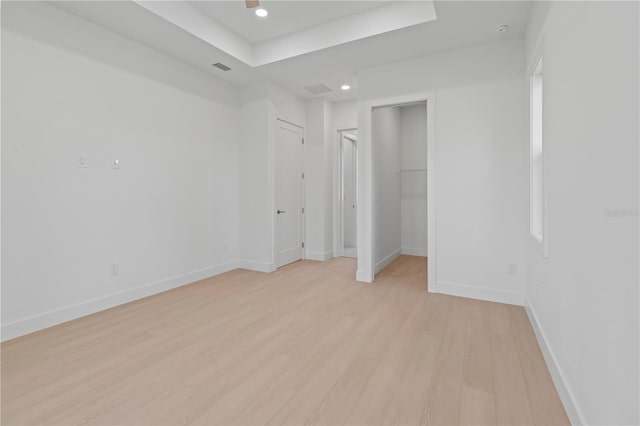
(303,345)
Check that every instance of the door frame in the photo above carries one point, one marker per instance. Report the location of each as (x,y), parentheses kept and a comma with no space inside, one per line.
(366,261)
(337,214)
(340,216)
(275,193)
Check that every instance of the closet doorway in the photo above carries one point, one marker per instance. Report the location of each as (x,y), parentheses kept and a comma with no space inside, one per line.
(399,146)
(348,194)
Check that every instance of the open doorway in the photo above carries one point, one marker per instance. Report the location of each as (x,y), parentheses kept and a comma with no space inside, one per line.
(399,135)
(348,182)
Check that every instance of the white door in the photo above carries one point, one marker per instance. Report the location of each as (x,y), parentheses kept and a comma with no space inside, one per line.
(289,193)
(349,185)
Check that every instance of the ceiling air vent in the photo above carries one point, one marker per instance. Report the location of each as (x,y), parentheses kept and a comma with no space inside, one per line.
(221,66)
(318,89)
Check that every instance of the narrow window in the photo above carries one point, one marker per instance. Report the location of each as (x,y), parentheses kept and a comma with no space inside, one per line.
(537,156)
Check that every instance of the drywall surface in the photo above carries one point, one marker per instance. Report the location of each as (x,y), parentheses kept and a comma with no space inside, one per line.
(386,199)
(318,181)
(314,182)
(286,105)
(78,234)
(345,114)
(255,181)
(584,296)
(481,147)
(329,177)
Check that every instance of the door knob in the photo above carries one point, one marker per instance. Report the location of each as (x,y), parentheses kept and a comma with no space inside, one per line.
(281,211)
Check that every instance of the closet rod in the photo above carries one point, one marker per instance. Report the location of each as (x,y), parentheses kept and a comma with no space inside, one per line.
(413,170)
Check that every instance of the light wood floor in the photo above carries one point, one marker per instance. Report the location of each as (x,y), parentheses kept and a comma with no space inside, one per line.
(304,345)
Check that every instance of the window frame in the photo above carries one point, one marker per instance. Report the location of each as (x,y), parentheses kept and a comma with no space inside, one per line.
(538,229)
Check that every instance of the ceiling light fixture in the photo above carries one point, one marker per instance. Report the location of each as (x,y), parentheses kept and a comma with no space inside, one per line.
(345,87)
(501,28)
(262,12)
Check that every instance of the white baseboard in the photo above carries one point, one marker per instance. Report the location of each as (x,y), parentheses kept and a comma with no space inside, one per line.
(564,390)
(256,266)
(387,260)
(319,256)
(362,277)
(68,313)
(422,252)
(473,292)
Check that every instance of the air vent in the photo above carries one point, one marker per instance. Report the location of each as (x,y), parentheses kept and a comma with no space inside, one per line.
(221,66)
(318,89)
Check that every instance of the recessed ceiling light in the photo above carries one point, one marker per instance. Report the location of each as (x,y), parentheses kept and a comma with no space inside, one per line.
(501,28)
(345,87)
(262,12)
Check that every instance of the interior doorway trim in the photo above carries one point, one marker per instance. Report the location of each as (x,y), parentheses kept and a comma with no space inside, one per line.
(366,261)
(341,127)
(338,246)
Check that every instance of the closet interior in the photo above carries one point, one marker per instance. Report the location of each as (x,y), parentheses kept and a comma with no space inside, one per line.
(399,138)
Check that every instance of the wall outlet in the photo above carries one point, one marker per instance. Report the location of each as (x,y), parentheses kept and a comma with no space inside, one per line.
(511,268)
(114,270)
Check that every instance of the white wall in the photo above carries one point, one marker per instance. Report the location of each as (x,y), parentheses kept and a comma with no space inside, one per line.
(345,114)
(329,177)
(584,297)
(168,216)
(255,180)
(413,179)
(315,180)
(318,154)
(286,105)
(386,199)
(480,144)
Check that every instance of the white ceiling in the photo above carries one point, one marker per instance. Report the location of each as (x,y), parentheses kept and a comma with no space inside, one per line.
(285,17)
(311,37)
(458,24)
